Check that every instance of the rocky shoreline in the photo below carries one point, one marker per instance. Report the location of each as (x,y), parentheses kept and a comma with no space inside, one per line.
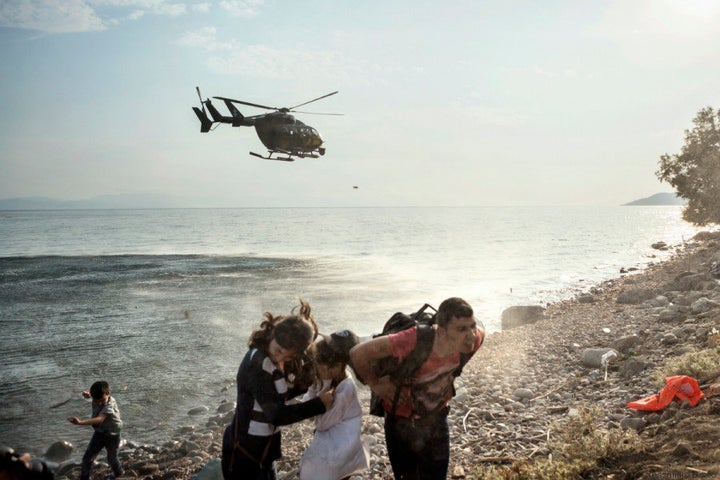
(527,380)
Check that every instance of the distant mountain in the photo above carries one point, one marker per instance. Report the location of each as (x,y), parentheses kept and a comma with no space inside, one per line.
(148,200)
(665,198)
(27,203)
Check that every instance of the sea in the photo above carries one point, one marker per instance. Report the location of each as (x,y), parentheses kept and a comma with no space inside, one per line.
(160,303)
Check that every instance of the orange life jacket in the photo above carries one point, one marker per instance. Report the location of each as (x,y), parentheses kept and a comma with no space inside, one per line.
(681,387)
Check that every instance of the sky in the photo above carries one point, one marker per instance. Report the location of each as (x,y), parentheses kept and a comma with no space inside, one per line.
(455,103)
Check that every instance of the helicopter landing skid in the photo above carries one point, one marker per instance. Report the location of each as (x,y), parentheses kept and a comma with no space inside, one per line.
(270,157)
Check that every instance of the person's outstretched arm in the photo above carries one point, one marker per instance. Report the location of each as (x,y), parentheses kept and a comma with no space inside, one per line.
(261,382)
(94,421)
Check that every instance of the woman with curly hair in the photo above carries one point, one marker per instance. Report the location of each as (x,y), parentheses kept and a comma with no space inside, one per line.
(277,367)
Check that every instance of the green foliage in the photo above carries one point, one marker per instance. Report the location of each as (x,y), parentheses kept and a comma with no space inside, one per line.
(695,364)
(577,447)
(695,172)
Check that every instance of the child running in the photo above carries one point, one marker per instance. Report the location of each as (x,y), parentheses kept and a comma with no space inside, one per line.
(336,451)
(107,424)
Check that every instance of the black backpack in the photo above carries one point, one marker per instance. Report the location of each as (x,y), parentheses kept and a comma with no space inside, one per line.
(402,372)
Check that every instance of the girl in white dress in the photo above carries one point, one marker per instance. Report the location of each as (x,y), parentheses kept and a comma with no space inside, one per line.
(336,451)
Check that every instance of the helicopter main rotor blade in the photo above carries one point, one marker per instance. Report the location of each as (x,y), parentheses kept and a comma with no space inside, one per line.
(313,100)
(318,113)
(246,103)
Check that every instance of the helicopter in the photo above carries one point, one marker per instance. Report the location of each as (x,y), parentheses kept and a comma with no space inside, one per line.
(283,135)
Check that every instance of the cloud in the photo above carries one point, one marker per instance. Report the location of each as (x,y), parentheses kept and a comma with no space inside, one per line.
(659,33)
(549,73)
(50,16)
(53,16)
(205,38)
(268,62)
(153,7)
(200,7)
(256,60)
(486,115)
(686,18)
(231,57)
(240,8)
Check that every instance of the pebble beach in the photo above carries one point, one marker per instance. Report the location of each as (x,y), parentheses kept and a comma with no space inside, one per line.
(527,380)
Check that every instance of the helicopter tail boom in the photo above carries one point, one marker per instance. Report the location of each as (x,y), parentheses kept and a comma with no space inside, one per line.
(238,120)
(216,116)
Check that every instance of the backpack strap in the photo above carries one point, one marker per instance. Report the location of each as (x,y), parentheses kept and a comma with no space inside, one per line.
(464,359)
(416,358)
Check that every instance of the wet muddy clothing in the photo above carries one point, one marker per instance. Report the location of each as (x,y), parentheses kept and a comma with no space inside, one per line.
(417,435)
(419,449)
(432,384)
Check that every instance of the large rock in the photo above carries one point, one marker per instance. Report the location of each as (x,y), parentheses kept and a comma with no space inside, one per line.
(660,246)
(520,315)
(691,281)
(632,423)
(624,344)
(635,296)
(225,406)
(59,451)
(659,301)
(198,410)
(592,357)
(211,471)
(632,367)
(702,305)
(586,298)
(671,314)
(715,269)
(67,469)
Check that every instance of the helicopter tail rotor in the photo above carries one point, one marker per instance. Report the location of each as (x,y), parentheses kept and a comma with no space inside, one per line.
(205,123)
(202,104)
